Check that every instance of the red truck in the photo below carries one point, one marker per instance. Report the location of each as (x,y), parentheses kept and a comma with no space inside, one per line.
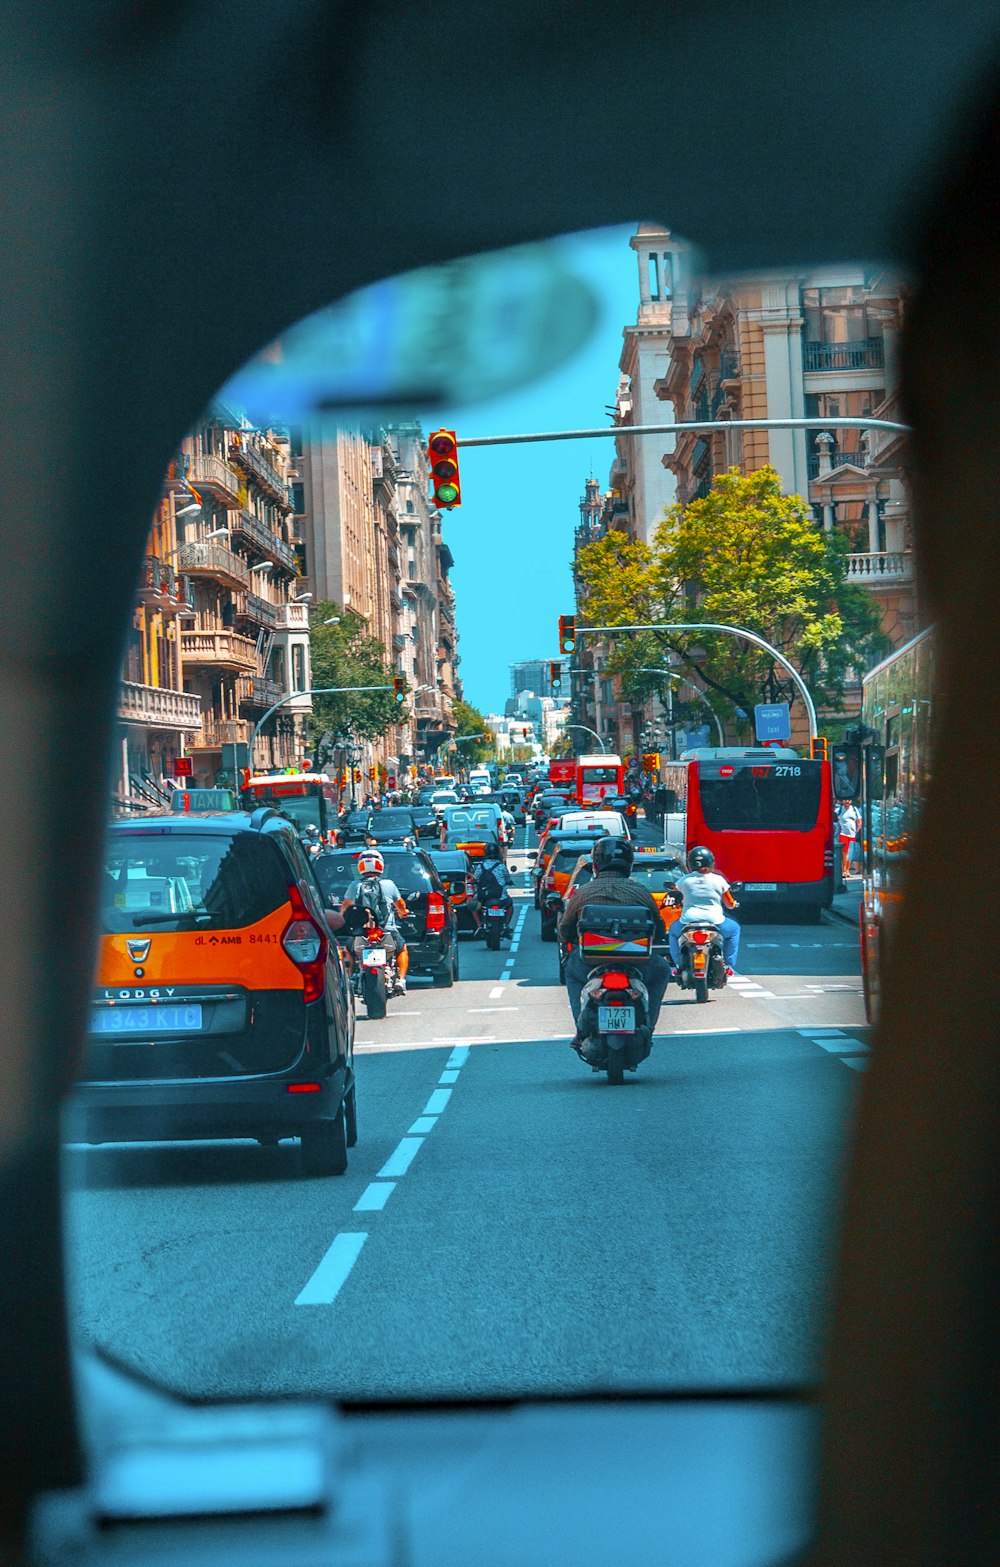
(562,773)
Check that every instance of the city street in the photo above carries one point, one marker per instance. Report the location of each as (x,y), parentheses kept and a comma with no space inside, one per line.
(509,1222)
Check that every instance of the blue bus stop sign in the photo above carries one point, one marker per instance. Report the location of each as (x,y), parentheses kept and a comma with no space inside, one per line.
(772,721)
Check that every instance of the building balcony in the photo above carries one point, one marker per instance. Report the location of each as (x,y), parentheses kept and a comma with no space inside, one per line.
(262,539)
(293,617)
(259,691)
(256,611)
(869,354)
(226,649)
(256,466)
(216,476)
(215,561)
(158,707)
(160,586)
(216,732)
(839,458)
(886,568)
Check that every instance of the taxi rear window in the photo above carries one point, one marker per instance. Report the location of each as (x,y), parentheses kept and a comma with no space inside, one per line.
(168,881)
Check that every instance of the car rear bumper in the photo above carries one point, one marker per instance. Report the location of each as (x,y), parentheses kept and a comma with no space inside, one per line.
(431,953)
(188,1111)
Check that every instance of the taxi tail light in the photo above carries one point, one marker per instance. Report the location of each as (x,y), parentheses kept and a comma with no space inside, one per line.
(614,980)
(435,913)
(307,946)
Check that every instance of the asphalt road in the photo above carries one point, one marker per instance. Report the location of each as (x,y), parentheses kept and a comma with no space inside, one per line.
(509,1223)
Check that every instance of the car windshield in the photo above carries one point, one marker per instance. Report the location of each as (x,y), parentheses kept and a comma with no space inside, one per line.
(510,1222)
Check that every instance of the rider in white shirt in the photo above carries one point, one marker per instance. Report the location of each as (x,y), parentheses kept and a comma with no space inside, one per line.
(706,897)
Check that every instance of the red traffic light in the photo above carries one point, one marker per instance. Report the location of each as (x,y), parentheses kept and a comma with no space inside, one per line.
(442,458)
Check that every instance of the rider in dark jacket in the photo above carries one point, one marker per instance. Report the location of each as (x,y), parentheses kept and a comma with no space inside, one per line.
(612,858)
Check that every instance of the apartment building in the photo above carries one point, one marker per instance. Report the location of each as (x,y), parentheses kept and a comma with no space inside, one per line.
(430,658)
(244,642)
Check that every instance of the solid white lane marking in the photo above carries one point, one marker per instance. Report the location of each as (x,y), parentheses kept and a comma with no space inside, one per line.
(459,1056)
(436,1103)
(402,1156)
(449,1075)
(478,1010)
(374,1197)
(496,992)
(332,1273)
(406,1014)
(422,1125)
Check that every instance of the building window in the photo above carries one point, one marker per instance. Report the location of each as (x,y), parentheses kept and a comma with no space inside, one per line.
(298,498)
(298,667)
(654,277)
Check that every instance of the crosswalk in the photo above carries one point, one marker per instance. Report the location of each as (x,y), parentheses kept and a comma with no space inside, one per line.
(853,1052)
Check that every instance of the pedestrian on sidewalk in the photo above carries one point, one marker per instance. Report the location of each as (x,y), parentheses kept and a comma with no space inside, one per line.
(848,826)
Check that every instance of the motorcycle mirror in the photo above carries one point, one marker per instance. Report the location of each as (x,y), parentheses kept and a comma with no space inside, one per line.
(532,854)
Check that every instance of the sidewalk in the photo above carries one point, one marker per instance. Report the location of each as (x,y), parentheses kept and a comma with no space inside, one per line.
(846,904)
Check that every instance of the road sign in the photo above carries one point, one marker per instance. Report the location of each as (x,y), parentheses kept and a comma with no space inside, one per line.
(772,721)
(183,767)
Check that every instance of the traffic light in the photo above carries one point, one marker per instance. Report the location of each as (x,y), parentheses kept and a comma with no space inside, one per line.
(820,748)
(442,456)
(488,736)
(555,677)
(399,687)
(567,633)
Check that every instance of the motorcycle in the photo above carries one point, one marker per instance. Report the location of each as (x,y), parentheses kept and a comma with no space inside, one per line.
(614,1027)
(374,971)
(494,918)
(702,966)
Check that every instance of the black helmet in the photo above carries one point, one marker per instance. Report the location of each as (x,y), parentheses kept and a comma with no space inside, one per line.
(701,860)
(613,853)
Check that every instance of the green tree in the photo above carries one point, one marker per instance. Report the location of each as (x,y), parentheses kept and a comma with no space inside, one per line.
(347,655)
(470,721)
(743,555)
(563,746)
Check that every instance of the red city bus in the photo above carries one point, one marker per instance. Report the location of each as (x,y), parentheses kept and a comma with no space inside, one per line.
(597,776)
(309,799)
(767,816)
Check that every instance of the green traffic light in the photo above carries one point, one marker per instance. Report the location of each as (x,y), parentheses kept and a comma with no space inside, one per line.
(446,494)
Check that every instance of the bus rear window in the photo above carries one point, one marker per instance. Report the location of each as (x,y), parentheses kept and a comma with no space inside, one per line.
(600,775)
(775,800)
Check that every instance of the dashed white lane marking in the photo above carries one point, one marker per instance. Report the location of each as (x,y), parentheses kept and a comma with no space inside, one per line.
(332,1273)
(836,1043)
(856,1063)
(375,1196)
(478,1010)
(422,1125)
(436,1103)
(459,1056)
(448,1076)
(496,992)
(403,1154)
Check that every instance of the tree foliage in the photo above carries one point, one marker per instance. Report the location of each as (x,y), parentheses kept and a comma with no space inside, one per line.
(470,721)
(347,655)
(744,555)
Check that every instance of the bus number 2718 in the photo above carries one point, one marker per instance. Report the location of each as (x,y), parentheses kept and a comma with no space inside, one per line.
(786,770)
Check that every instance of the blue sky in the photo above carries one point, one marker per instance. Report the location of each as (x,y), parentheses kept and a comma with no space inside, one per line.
(512,537)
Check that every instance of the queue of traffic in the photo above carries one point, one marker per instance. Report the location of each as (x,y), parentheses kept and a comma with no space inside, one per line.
(238,945)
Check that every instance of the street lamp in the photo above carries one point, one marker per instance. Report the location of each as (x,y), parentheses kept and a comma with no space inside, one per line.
(302,598)
(333,621)
(188,510)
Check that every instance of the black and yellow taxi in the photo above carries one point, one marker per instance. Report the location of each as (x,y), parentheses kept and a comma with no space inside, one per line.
(222,1008)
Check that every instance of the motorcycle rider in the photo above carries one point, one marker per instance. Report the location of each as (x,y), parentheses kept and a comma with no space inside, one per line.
(493,882)
(706,896)
(612,859)
(370,870)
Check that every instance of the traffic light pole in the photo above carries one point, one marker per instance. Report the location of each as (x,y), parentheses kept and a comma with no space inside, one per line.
(587,731)
(293,696)
(700,425)
(668,674)
(733,631)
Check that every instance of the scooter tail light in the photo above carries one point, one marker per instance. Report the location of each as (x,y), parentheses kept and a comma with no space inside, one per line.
(435,913)
(614,980)
(699,936)
(306,945)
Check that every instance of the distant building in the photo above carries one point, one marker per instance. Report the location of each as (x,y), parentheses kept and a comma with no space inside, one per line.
(533,675)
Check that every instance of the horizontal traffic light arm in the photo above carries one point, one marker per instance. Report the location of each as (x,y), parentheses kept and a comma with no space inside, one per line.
(617,430)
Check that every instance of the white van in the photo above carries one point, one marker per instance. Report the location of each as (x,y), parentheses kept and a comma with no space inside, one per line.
(480,781)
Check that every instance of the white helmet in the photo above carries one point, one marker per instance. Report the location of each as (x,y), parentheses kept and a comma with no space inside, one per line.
(370,863)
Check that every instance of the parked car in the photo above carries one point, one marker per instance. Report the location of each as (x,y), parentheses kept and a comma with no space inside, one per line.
(222,1007)
(429,929)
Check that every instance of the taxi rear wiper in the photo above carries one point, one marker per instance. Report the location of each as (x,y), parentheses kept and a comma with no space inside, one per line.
(161,919)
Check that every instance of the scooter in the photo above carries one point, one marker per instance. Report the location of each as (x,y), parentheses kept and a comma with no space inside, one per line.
(702,966)
(614,1027)
(374,971)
